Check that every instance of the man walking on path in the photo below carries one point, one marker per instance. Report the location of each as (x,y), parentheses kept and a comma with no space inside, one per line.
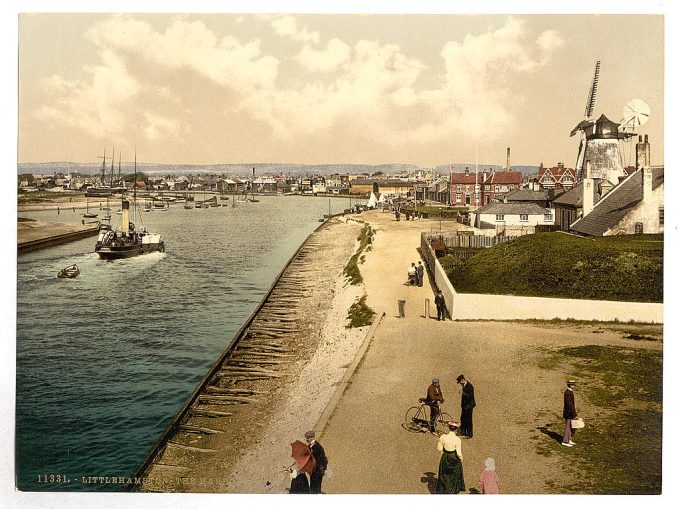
(467,403)
(321,463)
(441,305)
(569,413)
(420,271)
(433,399)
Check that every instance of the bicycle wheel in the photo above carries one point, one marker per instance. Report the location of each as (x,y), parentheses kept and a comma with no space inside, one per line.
(442,422)
(414,417)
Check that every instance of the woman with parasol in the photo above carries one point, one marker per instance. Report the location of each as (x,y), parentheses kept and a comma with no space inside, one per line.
(304,464)
(450,478)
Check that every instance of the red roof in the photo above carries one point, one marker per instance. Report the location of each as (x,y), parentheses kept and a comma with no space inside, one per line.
(504,177)
(556,171)
(462,178)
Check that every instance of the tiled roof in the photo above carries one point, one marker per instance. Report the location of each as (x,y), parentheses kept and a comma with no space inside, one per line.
(616,204)
(512,208)
(526,195)
(504,177)
(462,178)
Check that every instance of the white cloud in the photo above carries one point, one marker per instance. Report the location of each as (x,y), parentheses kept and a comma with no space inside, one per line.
(96,105)
(336,53)
(159,126)
(192,46)
(286,26)
(372,90)
(377,90)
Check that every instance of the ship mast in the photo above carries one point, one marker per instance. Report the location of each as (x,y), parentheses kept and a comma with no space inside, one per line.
(134,191)
(104,169)
(113,155)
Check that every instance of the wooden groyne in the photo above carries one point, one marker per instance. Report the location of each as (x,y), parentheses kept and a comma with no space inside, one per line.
(261,355)
(32,237)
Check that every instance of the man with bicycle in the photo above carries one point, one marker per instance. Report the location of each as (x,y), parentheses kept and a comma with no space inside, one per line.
(433,399)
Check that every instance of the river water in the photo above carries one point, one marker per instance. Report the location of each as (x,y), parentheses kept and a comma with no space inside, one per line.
(105,360)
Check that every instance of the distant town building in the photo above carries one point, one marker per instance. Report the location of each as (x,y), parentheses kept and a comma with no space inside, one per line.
(556,177)
(364,186)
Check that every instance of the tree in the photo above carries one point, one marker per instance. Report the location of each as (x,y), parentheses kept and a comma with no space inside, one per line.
(27,176)
(141,177)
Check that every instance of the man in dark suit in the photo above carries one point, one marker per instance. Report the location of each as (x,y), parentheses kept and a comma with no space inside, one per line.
(441,305)
(569,413)
(467,403)
(420,273)
(321,462)
(433,399)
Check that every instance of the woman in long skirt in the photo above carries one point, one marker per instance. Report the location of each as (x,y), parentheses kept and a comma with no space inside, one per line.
(450,478)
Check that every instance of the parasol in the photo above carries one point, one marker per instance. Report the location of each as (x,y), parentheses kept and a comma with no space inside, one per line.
(302,455)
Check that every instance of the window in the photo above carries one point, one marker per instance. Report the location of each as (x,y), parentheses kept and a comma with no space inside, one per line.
(500,217)
(661,216)
(511,187)
(496,189)
(487,187)
(477,186)
(458,197)
(547,217)
(524,217)
(458,188)
(638,229)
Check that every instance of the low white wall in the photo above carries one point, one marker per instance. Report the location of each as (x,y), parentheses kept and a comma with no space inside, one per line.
(476,306)
(469,306)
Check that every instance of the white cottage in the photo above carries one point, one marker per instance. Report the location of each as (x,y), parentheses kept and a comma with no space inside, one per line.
(513,214)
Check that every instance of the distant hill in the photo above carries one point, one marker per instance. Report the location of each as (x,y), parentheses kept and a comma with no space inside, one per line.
(246,169)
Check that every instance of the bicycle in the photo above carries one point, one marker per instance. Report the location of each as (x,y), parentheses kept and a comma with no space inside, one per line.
(418,419)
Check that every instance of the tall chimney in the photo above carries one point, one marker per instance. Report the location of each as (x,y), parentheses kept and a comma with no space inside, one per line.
(507,166)
(125,218)
(588,191)
(642,153)
(467,171)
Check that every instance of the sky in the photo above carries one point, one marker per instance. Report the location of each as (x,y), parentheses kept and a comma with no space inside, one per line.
(424,89)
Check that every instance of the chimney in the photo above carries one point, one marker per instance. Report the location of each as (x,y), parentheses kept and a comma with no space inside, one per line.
(125,218)
(483,176)
(642,153)
(588,199)
(646,183)
(605,187)
(467,171)
(507,167)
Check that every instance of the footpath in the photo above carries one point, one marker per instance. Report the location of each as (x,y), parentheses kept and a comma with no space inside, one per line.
(370,452)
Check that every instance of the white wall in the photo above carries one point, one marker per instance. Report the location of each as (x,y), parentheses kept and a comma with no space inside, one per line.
(513,219)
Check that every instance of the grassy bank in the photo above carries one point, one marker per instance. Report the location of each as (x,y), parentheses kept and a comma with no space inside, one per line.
(360,314)
(619,396)
(351,270)
(622,268)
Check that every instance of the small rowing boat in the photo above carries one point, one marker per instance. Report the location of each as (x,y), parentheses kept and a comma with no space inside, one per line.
(69,272)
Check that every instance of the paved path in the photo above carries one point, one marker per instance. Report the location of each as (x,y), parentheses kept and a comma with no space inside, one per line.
(370,452)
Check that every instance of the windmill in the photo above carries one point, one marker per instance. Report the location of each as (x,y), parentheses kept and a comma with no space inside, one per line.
(586,125)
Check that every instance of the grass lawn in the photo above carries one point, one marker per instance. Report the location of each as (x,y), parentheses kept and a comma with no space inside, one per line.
(621,268)
(619,396)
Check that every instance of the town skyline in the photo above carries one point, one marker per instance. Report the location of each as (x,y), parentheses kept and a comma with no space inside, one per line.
(319,89)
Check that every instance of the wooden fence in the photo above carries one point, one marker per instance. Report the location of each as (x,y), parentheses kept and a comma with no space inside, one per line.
(471,241)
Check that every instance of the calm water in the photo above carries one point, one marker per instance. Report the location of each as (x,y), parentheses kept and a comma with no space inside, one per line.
(104,361)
